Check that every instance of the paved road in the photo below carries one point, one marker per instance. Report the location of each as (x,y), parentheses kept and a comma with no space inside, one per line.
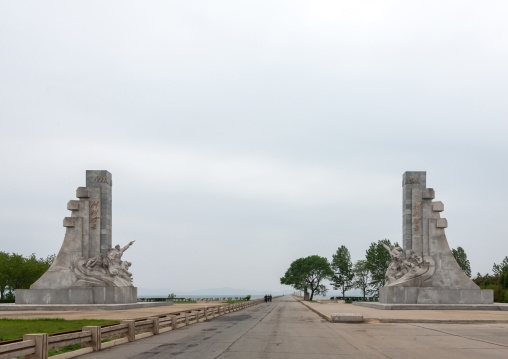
(286,329)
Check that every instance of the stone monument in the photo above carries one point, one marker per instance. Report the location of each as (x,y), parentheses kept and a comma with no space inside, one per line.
(424,271)
(87,269)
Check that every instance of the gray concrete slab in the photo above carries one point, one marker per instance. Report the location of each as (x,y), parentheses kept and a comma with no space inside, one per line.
(385,306)
(80,307)
(285,329)
(372,315)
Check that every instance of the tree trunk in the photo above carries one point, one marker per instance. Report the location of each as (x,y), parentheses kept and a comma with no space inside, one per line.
(343,292)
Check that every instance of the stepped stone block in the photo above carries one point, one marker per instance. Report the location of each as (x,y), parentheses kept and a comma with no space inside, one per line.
(68,222)
(73,205)
(437,206)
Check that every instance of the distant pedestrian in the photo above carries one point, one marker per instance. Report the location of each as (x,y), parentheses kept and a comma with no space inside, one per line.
(266,298)
(270,297)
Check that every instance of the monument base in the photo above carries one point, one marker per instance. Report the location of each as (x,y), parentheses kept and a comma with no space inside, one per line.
(430,295)
(384,306)
(80,307)
(88,295)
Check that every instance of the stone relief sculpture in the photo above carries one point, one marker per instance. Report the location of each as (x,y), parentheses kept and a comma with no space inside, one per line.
(402,269)
(101,271)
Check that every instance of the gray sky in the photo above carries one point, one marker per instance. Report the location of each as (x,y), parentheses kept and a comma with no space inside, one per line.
(244,135)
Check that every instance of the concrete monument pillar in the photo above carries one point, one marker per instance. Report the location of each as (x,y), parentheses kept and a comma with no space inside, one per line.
(424,271)
(87,269)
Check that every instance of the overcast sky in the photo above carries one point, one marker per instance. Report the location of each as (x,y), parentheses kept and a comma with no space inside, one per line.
(242,135)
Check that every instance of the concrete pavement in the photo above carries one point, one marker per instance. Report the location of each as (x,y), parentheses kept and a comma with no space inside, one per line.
(287,329)
(104,314)
(412,316)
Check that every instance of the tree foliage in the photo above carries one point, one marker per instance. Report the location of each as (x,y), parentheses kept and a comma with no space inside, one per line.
(361,276)
(307,274)
(343,270)
(461,258)
(498,281)
(19,272)
(378,258)
(501,267)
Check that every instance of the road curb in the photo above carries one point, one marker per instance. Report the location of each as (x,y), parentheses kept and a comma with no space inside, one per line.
(327,318)
(411,321)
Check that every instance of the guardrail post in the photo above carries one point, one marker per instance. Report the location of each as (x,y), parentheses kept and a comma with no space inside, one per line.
(41,345)
(155,325)
(131,334)
(95,344)
(173,322)
(187,318)
(206,313)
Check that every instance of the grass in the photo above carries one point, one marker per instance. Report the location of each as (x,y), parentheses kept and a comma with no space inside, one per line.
(185,302)
(15,328)
(235,301)
(62,350)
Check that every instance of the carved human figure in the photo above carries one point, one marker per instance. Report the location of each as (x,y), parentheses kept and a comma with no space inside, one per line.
(98,260)
(125,269)
(395,252)
(414,259)
(113,259)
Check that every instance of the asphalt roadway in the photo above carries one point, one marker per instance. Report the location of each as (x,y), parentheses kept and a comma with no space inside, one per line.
(287,329)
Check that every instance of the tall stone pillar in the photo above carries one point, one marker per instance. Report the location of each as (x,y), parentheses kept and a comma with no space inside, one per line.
(101,212)
(411,210)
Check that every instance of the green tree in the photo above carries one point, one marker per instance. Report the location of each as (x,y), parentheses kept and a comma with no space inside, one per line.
(307,274)
(461,258)
(4,264)
(361,276)
(19,272)
(378,258)
(343,270)
(501,267)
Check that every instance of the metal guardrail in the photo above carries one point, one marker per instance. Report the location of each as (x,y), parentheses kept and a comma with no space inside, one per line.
(90,337)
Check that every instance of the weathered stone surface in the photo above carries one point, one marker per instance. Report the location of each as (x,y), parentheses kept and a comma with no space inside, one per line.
(428,295)
(347,317)
(92,295)
(437,206)
(86,258)
(73,205)
(425,271)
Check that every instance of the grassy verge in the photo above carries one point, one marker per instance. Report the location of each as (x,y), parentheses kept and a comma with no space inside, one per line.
(15,328)
(235,301)
(185,302)
(69,348)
